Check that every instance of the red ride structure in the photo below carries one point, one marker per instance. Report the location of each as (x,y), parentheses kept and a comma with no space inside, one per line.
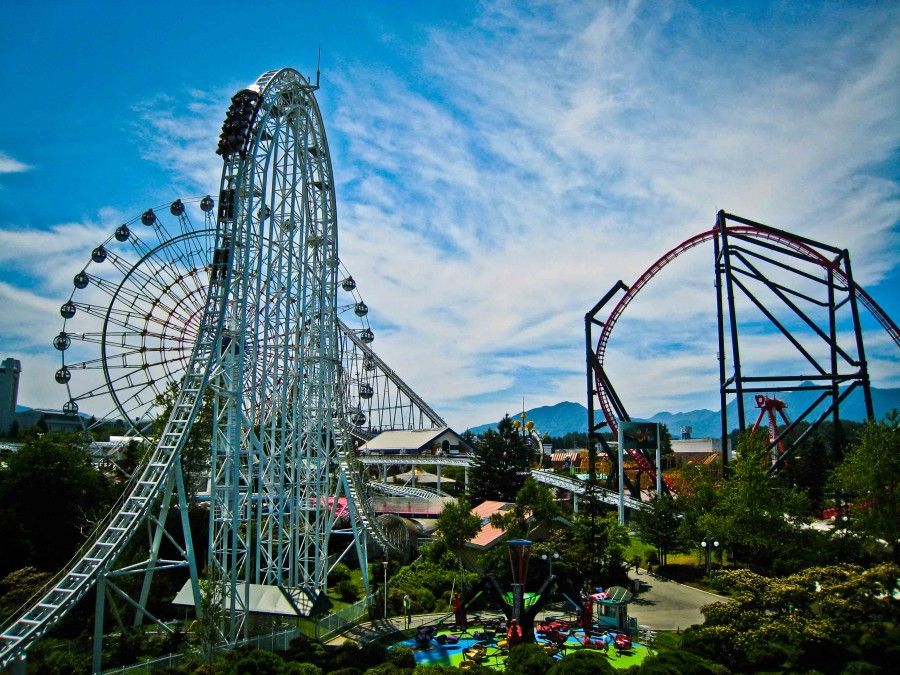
(768,407)
(804,289)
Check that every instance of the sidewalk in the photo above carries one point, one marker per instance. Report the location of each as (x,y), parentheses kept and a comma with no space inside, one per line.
(375,630)
(668,605)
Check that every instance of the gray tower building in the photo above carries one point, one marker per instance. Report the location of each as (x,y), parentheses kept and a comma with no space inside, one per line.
(9,392)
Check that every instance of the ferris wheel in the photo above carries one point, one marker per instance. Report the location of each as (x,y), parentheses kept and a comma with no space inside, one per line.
(133,314)
(132,317)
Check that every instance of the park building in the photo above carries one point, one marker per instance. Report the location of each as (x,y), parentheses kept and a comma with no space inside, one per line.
(441,441)
(9,393)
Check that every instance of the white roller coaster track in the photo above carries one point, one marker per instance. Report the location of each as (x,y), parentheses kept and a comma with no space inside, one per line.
(97,557)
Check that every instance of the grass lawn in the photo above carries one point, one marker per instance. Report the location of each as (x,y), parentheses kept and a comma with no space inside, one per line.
(435,654)
(308,626)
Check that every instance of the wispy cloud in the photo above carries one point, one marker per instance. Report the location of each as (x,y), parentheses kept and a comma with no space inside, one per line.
(11,165)
(565,148)
(550,149)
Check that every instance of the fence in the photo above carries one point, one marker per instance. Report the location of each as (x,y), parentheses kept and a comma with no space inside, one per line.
(327,627)
(337,622)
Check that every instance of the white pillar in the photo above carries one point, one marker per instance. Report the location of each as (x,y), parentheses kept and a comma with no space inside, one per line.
(621,474)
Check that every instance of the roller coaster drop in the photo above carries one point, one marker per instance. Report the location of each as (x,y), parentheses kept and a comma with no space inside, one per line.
(241,316)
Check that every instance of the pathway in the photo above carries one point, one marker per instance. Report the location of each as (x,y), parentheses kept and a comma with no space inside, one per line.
(668,605)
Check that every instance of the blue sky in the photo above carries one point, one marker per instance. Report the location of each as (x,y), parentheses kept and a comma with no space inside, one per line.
(499,166)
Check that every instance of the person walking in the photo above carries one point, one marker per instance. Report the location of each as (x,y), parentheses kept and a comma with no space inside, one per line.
(407,610)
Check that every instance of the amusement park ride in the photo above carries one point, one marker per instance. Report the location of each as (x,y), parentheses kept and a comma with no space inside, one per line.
(240,314)
(239,317)
(802,288)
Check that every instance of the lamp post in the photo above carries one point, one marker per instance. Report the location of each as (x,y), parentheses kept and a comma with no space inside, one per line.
(385,563)
(708,545)
(549,558)
(526,428)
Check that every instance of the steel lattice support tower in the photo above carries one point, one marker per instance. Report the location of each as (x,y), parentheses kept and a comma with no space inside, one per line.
(805,290)
(280,419)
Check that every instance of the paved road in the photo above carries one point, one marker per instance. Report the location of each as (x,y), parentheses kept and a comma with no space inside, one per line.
(667,605)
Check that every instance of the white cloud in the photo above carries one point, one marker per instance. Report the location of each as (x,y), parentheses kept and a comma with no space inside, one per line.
(11,165)
(552,149)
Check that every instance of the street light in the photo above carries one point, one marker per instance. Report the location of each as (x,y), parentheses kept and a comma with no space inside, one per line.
(708,545)
(385,563)
(549,558)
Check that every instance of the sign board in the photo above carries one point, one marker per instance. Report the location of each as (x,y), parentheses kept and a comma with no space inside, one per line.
(639,435)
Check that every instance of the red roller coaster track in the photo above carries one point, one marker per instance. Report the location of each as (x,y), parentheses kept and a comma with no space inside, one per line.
(747,231)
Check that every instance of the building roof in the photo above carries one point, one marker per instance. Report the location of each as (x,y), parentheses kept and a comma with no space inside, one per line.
(263,599)
(413,439)
(488,534)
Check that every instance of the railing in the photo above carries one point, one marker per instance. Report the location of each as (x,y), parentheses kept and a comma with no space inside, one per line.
(337,622)
(327,627)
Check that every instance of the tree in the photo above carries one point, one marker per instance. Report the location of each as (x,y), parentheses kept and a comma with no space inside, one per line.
(756,518)
(583,564)
(457,525)
(50,498)
(698,497)
(871,471)
(810,466)
(17,588)
(207,628)
(819,619)
(535,506)
(658,524)
(195,454)
(500,464)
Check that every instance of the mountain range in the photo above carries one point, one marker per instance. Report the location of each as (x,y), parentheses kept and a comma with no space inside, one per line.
(566,417)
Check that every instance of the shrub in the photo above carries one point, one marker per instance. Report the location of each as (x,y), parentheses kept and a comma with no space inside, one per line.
(347,655)
(584,662)
(339,573)
(348,591)
(402,657)
(528,659)
(679,663)
(301,669)
(257,662)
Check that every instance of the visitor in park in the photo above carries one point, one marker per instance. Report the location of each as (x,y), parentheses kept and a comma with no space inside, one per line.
(407,610)
(513,633)
(459,612)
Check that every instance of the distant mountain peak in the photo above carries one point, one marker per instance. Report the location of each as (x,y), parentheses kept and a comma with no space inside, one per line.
(566,417)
